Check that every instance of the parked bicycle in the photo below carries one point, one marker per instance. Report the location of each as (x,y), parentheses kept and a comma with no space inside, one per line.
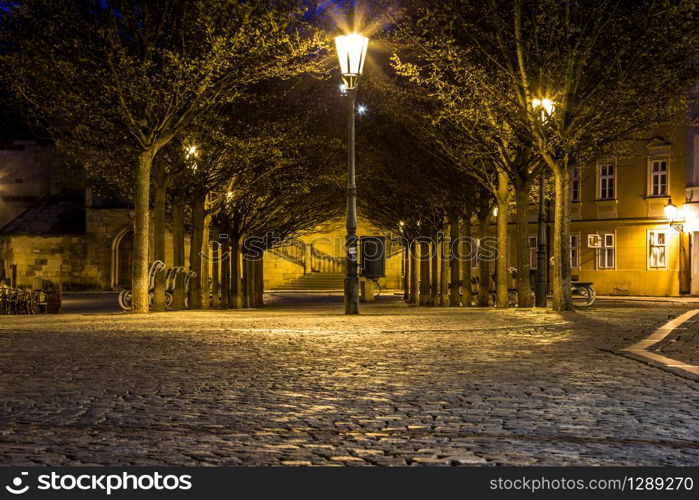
(377,287)
(125,297)
(583,294)
(492,292)
(22,301)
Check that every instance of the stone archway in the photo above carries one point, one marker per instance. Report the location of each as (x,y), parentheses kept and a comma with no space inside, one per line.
(122,259)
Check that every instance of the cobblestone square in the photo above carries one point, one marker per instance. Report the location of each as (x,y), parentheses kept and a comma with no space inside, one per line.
(306,385)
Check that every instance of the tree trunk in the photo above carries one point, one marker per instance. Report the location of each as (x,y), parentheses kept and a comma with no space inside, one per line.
(524,287)
(502,274)
(178,251)
(414,271)
(444,268)
(258,264)
(561,240)
(467,258)
(206,265)
(424,273)
(225,273)
(248,282)
(483,263)
(434,285)
(139,277)
(215,267)
(195,252)
(454,262)
(406,269)
(159,202)
(236,282)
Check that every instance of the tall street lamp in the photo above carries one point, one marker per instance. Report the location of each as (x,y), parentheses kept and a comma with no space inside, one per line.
(540,290)
(546,107)
(351,53)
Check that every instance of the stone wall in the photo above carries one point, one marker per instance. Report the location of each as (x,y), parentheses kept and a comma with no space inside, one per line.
(49,257)
(85,261)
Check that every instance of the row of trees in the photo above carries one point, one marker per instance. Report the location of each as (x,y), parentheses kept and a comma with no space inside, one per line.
(192,109)
(490,94)
(206,113)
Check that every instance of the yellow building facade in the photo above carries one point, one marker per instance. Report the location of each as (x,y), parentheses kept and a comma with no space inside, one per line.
(621,237)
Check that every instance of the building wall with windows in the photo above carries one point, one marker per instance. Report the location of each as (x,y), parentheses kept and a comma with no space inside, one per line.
(623,200)
(619,206)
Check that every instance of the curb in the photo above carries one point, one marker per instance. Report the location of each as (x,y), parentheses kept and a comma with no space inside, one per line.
(640,350)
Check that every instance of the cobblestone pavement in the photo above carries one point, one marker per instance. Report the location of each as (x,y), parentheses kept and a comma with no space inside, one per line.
(308,385)
(683,343)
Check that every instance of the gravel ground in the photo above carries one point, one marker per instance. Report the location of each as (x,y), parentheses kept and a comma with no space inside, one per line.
(302,384)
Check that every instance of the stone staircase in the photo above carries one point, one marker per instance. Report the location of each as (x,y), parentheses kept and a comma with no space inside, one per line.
(315,281)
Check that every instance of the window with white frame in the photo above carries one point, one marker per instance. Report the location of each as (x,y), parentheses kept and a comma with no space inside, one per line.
(574,250)
(606,176)
(657,249)
(575,185)
(533,247)
(607,252)
(658,177)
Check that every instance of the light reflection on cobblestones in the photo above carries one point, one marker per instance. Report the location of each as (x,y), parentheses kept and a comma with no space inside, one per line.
(394,386)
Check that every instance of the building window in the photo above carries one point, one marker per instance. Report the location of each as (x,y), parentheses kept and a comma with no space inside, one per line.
(606,181)
(574,251)
(606,253)
(657,249)
(532,252)
(575,187)
(658,177)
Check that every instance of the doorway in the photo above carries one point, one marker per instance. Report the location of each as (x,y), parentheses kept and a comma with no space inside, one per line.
(122,259)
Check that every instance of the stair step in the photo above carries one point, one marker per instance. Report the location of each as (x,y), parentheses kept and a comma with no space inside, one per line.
(315,281)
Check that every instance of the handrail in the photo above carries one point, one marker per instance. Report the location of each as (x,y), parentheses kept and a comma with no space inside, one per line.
(324,262)
(283,252)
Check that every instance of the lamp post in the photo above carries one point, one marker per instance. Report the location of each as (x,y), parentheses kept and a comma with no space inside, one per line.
(546,108)
(351,52)
(540,290)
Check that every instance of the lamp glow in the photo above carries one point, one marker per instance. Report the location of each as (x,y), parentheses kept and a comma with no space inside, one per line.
(351,53)
(545,104)
(670,211)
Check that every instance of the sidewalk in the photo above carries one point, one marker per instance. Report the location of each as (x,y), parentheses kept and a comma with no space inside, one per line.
(641,298)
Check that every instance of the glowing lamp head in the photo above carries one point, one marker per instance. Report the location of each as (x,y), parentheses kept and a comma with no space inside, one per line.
(670,211)
(351,52)
(546,105)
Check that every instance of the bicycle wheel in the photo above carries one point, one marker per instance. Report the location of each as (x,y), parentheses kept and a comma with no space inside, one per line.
(583,296)
(377,288)
(168,300)
(125,300)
